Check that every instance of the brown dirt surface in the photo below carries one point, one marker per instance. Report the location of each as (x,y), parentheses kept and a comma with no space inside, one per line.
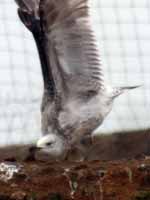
(107,179)
(92,180)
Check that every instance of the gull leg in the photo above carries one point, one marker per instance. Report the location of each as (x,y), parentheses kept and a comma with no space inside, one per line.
(86,146)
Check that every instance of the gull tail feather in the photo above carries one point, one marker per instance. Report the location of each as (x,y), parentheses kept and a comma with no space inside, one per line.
(120,90)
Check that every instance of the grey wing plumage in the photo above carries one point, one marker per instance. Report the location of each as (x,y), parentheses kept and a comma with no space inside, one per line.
(31,6)
(71,45)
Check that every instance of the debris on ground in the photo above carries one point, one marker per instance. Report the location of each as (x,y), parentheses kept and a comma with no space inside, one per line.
(90,180)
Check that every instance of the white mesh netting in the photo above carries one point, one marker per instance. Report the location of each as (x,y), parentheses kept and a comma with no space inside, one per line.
(123,32)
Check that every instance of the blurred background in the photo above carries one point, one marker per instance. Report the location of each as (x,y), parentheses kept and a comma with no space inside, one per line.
(123,32)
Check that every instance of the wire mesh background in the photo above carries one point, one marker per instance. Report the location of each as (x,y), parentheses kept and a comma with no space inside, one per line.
(123,32)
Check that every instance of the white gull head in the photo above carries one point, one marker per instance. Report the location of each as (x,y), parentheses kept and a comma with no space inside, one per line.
(53,145)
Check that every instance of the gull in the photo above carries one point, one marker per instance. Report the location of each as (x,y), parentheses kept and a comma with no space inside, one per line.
(76,97)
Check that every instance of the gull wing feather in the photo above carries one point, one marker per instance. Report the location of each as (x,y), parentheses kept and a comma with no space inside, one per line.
(71,46)
(29,13)
(31,6)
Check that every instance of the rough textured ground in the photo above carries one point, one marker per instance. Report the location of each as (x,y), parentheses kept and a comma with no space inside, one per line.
(116,179)
(94,180)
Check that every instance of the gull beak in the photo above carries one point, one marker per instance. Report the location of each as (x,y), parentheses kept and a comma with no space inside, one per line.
(31,156)
(34,149)
(38,148)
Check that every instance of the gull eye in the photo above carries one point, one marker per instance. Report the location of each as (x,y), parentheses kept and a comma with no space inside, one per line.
(49,143)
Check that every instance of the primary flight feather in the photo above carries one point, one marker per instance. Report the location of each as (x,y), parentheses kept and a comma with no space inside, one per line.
(76,99)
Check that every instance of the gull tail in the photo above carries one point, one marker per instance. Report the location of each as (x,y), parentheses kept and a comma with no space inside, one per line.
(120,90)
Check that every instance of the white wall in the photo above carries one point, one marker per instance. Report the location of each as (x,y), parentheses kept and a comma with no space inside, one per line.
(123,31)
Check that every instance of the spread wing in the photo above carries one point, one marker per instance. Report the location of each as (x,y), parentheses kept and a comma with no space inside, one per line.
(71,46)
